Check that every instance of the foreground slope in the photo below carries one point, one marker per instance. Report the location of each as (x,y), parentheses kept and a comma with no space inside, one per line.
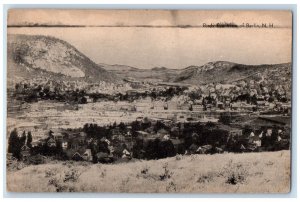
(267,172)
(32,56)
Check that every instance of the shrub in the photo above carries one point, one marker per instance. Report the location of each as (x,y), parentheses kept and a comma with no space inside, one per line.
(178,157)
(204,178)
(167,174)
(50,173)
(235,178)
(145,170)
(171,187)
(103,173)
(235,173)
(72,175)
(58,186)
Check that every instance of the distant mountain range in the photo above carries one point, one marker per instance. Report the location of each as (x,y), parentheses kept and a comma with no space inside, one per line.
(42,56)
(33,56)
(154,74)
(228,72)
(212,72)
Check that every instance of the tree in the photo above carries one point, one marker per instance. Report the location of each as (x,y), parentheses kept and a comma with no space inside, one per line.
(122,126)
(82,100)
(29,139)
(14,144)
(271,99)
(191,107)
(103,147)
(210,124)
(225,118)
(17,86)
(159,125)
(166,149)
(23,139)
(247,130)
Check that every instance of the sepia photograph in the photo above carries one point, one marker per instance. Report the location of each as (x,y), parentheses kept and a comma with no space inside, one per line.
(149,101)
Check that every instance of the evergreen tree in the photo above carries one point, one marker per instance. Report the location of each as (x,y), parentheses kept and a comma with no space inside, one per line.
(13,140)
(225,118)
(23,139)
(29,139)
(14,144)
(122,126)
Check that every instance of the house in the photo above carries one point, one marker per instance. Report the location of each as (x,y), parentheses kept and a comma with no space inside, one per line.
(75,143)
(64,144)
(142,107)
(119,137)
(235,106)
(286,106)
(77,157)
(162,132)
(104,157)
(87,155)
(242,148)
(235,132)
(127,108)
(197,107)
(111,149)
(261,103)
(105,140)
(25,152)
(172,105)
(129,145)
(142,134)
(132,92)
(90,141)
(166,106)
(193,148)
(126,154)
(209,106)
(35,143)
(51,142)
(115,131)
(57,136)
(269,132)
(88,99)
(77,138)
(184,106)
(166,137)
(204,149)
(255,140)
(178,145)
(180,117)
(220,105)
(82,134)
(140,119)
(76,151)
(10,157)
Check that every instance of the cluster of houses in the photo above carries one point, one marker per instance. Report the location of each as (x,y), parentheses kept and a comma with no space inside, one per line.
(79,146)
(75,146)
(210,97)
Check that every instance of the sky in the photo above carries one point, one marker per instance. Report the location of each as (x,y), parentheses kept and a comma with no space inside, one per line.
(118,37)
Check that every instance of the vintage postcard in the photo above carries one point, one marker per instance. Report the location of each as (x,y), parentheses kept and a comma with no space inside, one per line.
(149,101)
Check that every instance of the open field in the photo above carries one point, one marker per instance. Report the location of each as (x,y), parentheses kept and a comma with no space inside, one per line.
(266,172)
